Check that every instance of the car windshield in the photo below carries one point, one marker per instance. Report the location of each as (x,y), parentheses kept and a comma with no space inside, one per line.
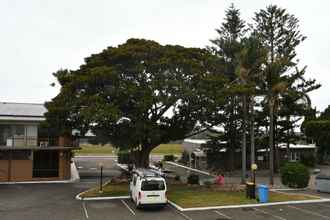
(152,185)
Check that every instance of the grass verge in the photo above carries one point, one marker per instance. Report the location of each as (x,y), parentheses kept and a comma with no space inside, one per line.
(200,196)
(109,190)
(99,150)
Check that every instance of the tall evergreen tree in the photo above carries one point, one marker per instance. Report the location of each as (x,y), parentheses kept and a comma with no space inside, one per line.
(227,45)
(279,33)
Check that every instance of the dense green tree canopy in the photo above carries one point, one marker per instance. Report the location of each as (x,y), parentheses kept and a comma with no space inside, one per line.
(318,129)
(140,94)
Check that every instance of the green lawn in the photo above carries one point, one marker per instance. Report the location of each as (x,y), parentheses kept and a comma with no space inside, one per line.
(198,196)
(120,189)
(168,149)
(109,150)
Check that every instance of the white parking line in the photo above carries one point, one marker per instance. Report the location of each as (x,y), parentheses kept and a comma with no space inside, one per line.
(223,215)
(309,212)
(93,168)
(85,209)
(80,167)
(180,213)
(127,206)
(267,213)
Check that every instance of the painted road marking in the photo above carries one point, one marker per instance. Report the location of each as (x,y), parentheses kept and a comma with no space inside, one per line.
(267,213)
(223,215)
(93,168)
(85,209)
(180,213)
(127,206)
(309,212)
(80,167)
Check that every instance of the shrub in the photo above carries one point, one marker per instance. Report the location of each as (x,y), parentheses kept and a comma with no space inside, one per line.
(295,175)
(169,157)
(193,179)
(184,158)
(208,183)
(123,157)
(177,178)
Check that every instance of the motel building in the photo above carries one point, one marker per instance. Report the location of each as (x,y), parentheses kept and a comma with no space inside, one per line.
(27,153)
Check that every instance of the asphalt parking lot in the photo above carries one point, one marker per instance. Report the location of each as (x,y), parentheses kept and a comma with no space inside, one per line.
(57,201)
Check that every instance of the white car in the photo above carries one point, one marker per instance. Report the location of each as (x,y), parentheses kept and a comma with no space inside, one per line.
(147,187)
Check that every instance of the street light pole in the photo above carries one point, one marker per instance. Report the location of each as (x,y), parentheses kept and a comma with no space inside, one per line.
(101,178)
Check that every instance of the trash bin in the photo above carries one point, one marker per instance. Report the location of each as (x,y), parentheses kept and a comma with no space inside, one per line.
(322,183)
(250,190)
(263,193)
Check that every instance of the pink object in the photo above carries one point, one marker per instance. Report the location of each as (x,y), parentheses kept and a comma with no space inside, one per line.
(220,180)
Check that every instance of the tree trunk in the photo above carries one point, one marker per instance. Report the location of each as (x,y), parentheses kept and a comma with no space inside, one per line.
(275,144)
(141,157)
(244,140)
(271,142)
(231,135)
(288,140)
(252,131)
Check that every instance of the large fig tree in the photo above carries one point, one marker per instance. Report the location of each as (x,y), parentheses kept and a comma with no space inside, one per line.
(140,94)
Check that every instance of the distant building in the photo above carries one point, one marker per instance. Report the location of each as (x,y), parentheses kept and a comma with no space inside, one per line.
(197,156)
(24,154)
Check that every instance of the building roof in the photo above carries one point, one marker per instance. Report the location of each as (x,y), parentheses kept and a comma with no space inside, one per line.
(292,146)
(6,148)
(298,146)
(196,141)
(10,111)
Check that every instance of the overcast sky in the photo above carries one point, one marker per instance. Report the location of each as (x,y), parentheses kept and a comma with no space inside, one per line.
(38,37)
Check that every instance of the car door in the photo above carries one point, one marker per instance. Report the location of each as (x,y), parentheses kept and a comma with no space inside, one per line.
(133,187)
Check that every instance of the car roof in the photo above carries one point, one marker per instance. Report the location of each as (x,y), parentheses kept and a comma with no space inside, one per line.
(147,173)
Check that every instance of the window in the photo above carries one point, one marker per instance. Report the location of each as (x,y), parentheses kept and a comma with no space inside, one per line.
(295,156)
(18,130)
(152,185)
(45,163)
(5,134)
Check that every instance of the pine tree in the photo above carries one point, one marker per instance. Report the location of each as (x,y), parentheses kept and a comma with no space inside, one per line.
(227,45)
(279,33)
